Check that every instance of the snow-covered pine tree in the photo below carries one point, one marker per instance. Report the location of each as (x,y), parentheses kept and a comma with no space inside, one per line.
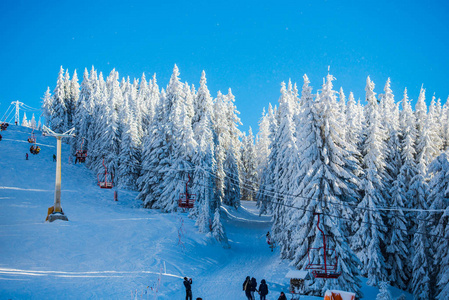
(47,107)
(265,192)
(83,112)
(221,143)
(234,135)
(182,150)
(420,279)
(326,186)
(249,176)
(218,230)
(129,156)
(33,122)
(384,293)
(435,125)
(231,191)
(285,172)
(24,120)
(204,169)
(439,224)
(58,104)
(262,144)
(369,238)
(74,91)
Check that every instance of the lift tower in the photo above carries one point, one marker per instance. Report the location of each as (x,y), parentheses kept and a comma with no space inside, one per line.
(55,212)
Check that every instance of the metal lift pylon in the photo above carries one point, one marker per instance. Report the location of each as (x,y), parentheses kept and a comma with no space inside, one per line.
(55,212)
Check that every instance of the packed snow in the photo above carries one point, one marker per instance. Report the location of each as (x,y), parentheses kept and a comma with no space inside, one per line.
(119,250)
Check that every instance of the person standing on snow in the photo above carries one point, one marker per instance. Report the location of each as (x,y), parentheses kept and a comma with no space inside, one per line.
(253,287)
(263,290)
(188,285)
(282,296)
(247,288)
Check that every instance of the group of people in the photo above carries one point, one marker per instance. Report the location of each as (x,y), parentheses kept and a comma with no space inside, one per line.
(35,149)
(250,287)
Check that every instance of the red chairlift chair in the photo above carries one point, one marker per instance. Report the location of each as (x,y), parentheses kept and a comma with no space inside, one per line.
(81,154)
(326,269)
(186,200)
(105,184)
(32,138)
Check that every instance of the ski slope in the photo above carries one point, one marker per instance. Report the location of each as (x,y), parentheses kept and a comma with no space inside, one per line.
(117,250)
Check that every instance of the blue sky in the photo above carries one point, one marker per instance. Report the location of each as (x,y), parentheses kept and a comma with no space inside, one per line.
(248,46)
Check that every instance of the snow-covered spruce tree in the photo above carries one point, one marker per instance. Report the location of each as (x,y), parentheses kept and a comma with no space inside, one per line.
(72,100)
(384,293)
(369,238)
(24,120)
(234,134)
(83,113)
(203,159)
(285,172)
(110,136)
(439,224)
(204,169)
(218,230)
(326,186)
(153,153)
(99,97)
(248,173)
(47,107)
(397,253)
(425,148)
(58,109)
(33,122)
(445,125)
(265,193)
(408,169)
(435,125)
(182,148)
(129,156)
(231,191)
(221,143)
(262,144)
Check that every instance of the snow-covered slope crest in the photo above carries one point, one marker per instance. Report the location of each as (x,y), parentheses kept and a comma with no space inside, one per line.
(116,250)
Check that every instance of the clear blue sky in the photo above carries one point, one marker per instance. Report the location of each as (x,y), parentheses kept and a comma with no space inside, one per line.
(249,46)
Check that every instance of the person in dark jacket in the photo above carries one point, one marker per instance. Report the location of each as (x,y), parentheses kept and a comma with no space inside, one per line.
(253,287)
(247,288)
(263,290)
(282,296)
(188,285)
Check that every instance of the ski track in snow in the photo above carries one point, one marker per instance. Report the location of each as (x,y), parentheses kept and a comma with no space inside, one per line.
(116,250)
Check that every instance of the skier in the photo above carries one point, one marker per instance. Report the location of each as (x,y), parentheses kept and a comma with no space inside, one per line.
(188,285)
(1,137)
(263,290)
(282,296)
(54,157)
(26,156)
(270,243)
(247,288)
(253,287)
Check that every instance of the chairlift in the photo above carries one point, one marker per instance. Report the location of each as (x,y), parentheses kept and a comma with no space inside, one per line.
(105,184)
(81,154)
(326,269)
(186,200)
(32,138)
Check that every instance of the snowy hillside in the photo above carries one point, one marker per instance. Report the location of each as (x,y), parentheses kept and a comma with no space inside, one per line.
(117,250)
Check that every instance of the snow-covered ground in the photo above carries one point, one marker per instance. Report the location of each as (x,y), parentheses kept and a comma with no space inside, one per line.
(117,250)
